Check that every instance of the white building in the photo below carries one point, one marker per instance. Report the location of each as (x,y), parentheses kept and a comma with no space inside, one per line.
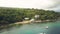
(36,16)
(26,18)
(32,20)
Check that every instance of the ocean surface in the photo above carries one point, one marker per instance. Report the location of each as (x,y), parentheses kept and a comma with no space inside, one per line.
(37,28)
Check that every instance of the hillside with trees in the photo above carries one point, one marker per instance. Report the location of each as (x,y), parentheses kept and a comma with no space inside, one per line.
(13,15)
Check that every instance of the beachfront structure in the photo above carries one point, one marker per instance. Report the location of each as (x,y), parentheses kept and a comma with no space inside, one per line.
(36,16)
(26,18)
(32,20)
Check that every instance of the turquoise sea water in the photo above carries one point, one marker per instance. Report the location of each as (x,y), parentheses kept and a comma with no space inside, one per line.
(53,28)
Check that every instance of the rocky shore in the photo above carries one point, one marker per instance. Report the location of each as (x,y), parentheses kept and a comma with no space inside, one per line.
(36,21)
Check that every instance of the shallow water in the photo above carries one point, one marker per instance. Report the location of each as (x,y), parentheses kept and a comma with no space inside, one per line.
(53,28)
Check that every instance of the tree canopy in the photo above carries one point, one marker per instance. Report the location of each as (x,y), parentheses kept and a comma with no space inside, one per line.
(12,15)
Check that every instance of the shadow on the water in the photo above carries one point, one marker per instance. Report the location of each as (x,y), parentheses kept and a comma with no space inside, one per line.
(8,28)
(54,30)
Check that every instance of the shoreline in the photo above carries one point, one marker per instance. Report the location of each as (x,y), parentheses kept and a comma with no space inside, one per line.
(23,22)
(36,21)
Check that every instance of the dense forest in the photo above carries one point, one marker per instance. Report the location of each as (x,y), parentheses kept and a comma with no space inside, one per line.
(13,15)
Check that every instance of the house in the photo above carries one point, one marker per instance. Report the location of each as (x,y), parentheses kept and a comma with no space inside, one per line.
(26,18)
(36,16)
